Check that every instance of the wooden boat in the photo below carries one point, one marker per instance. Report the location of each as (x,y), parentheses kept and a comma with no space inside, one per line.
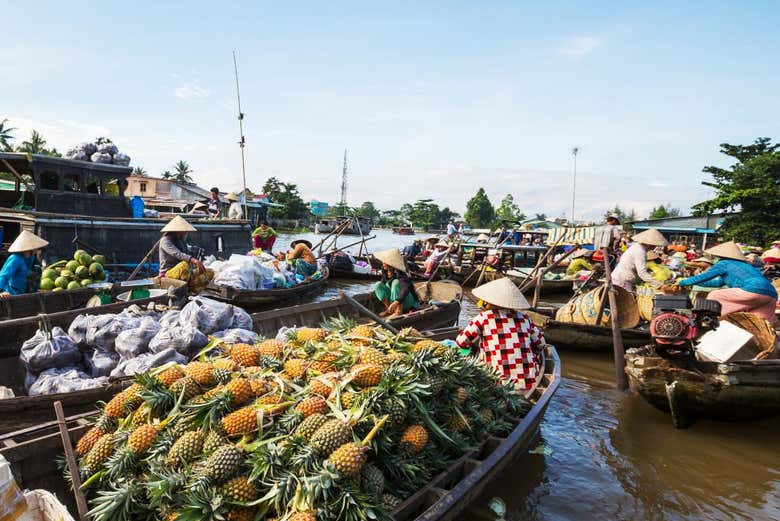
(403,230)
(32,452)
(691,389)
(584,337)
(252,299)
(337,273)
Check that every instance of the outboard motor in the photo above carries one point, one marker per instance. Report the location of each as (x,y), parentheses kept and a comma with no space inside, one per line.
(676,324)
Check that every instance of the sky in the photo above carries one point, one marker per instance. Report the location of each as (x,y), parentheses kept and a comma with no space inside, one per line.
(431,99)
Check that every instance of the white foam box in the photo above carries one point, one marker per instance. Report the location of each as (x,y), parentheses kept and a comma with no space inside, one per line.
(726,344)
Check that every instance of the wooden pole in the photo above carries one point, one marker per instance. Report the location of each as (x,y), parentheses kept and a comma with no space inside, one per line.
(138,268)
(621,381)
(73,468)
(541,260)
(347,246)
(363,309)
(537,288)
(526,283)
(336,229)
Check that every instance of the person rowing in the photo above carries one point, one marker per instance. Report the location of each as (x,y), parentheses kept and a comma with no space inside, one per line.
(395,290)
(14,273)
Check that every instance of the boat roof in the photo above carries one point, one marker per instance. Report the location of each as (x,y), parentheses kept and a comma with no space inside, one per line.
(19,159)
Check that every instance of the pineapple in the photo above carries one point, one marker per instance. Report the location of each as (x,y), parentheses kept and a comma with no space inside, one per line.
(372,480)
(302,516)
(459,423)
(366,375)
(259,387)
(186,448)
(325,363)
(223,463)
(370,355)
(240,422)
(240,391)
(332,435)
(395,357)
(88,440)
(312,405)
(348,400)
(272,348)
(310,425)
(239,490)
(245,355)
(414,440)
(322,385)
(214,440)
(201,372)
(364,331)
(349,458)
(225,364)
(186,386)
(240,514)
(437,347)
(398,412)
(99,453)
(391,502)
(486,415)
(124,402)
(295,368)
(170,375)
(306,334)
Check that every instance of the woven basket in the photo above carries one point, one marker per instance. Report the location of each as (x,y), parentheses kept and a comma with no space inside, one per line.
(584,309)
(644,302)
(763,332)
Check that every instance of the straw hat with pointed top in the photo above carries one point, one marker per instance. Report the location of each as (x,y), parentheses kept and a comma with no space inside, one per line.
(442,243)
(727,250)
(580,252)
(773,253)
(199,206)
(703,259)
(392,258)
(502,293)
(178,224)
(483,237)
(232,197)
(27,241)
(651,237)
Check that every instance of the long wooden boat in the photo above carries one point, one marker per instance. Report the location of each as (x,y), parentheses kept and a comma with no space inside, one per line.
(690,389)
(442,310)
(32,452)
(584,337)
(264,297)
(336,273)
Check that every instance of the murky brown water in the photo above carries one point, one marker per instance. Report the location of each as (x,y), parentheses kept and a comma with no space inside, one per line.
(605,454)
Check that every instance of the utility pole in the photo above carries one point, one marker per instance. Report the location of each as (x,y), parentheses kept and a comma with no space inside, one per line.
(241,141)
(574,152)
(344,183)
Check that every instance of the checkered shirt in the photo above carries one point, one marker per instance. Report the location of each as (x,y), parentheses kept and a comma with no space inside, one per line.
(509,342)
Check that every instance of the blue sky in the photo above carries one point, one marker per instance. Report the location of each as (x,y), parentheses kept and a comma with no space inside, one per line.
(431,99)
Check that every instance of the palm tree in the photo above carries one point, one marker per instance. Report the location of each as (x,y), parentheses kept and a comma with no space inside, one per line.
(140,172)
(36,144)
(167,175)
(182,172)
(6,136)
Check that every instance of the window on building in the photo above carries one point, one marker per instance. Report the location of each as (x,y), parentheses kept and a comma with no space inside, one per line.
(71,183)
(93,185)
(50,180)
(142,186)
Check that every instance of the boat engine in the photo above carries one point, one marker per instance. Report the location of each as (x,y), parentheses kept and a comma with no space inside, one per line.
(676,323)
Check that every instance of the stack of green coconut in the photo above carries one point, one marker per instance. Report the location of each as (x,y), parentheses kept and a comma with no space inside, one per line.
(79,272)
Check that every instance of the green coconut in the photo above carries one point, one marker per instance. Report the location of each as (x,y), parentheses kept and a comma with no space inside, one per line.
(47,284)
(61,282)
(96,269)
(78,253)
(72,265)
(82,272)
(74,284)
(49,273)
(87,282)
(58,289)
(85,259)
(99,258)
(68,274)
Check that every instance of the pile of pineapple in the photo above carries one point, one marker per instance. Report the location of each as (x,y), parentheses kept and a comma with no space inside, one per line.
(342,422)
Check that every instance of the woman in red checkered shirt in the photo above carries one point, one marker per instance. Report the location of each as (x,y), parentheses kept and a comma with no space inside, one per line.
(504,336)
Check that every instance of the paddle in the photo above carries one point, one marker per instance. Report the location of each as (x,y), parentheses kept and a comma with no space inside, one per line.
(347,246)
(363,309)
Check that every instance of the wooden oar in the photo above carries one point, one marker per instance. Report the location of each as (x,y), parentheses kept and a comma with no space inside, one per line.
(539,263)
(621,381)
(525,284)
(337,229)
(138,268)
(363,309)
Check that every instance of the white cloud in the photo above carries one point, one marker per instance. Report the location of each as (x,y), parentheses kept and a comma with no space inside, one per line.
(580,46)
(62,134)
(190,91)
(659,184)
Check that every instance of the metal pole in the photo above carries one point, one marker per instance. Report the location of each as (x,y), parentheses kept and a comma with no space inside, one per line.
(242,141)
(574,151)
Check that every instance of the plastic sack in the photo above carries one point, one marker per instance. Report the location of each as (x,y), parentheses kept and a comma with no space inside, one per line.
(241,319)
(206,315)
(132,342)
(77,155)
(237,336)
(101,363)
(100,157)
(107,148)
(66,380)
(151,214)
(82,323)
(88,148)
(121,159)
(170,318)
(185,339)
(40,353)
(104,336)
(147,361)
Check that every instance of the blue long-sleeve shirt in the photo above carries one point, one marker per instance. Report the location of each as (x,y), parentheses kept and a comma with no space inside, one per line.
(735,274)
(13,275)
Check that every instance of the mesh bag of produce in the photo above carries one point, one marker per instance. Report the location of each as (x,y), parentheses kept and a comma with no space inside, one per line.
(132,342)
(147,361)
(88,148)
(77,155)
(170,318)
(206,315)
(237,336)
(64,380)
(185,339)
(104,337)
(42,352)
(241,319)
(100,157)
(101,363)
(121,159)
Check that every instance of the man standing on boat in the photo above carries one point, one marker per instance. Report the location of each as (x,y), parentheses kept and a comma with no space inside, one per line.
(608,235)
(504,337)
(17,267)
(235,211)
(395,290)
(452,231)
(214,204)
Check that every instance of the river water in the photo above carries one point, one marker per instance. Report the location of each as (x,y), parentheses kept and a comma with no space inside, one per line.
(606,454)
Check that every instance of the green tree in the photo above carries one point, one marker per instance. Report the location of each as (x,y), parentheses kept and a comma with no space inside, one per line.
(6,136)
(540,217)
(508,210)
(167,175)
(181,173)
(751,188)
(140,172)
(446,215)
(368,210)
(37,145)
(479,210)
(287,195)
(663,211)
(390,217)
(423,214)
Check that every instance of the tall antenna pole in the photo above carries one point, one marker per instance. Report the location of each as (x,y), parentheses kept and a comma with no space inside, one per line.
(574,152)
(242,141)
(344,183)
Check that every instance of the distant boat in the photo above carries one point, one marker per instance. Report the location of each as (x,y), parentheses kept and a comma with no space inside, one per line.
(405,229)
(328,225)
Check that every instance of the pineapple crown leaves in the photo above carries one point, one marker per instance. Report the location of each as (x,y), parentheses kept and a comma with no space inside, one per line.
(210,412)
(163,486)
(123,500)
(426,417)
(352,504)
(214,344)
(203,505)
(157,397)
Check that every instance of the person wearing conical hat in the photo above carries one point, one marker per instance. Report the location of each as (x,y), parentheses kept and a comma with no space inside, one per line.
(301,258)
(771,256)
(503,336)
(235,211)
(173,247)
(632,265)
(17,267)
(579,262)
(747,288)
(440,251)
(395,290)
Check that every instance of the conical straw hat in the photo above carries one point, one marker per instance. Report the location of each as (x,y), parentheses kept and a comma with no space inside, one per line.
(580,252)
(483,237)
(178,224)
(727,250)
(651,255)
(502,293)
(231,197)
(651,237)
(392,258)
(27,241)
(198,206)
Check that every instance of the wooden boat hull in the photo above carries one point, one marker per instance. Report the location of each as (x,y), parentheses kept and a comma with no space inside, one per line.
(469,278)
(734,391)
(584,337)
(266,297)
